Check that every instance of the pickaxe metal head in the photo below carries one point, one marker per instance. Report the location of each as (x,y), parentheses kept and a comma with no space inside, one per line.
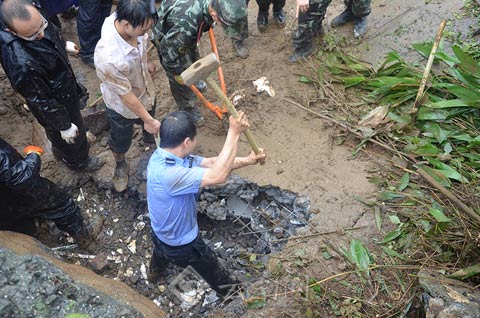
(200,70)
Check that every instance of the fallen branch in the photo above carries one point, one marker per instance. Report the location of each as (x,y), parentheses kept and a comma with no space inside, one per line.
(462,206)
(426,73)
(95,102)
(317,234)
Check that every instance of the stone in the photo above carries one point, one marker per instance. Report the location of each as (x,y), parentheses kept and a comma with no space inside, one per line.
(96,119)
(444,298)
(30,269)
(3,110)
(100,263)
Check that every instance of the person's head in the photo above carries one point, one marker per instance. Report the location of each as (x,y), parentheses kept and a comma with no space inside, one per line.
(228,13)
(134,17)
(178,129)
(22,19)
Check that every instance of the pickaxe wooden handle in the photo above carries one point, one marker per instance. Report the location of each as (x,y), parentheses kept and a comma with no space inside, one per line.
(233,111)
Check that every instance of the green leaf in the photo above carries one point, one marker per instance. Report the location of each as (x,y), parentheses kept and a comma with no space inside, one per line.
(359,254)
(426,113)
(385,196)
(435,174)
(392,235)
(394,219)
(326,255)
(256,304)
(394,253)
(438,215)
(447,170)
(304,79)
(77,316)
(404,181)
(448,104)
(466,272)
(466,62)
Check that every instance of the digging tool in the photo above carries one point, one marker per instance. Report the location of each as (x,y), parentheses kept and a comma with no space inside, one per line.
(200,70)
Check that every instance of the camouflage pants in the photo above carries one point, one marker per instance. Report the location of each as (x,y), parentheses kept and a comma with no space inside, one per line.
(183,95)
(264,5)
(241,29)
(310,22)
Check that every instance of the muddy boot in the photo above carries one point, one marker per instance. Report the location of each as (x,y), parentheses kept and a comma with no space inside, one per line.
(300,53)
(262,21)
(342,19)
(201,86)
(240,49)
(360,27)
(86,235)
(279,18)
(92,164)
(120,176)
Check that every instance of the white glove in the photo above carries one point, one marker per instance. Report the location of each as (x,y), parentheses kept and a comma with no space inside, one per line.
(71,47)
(70,134)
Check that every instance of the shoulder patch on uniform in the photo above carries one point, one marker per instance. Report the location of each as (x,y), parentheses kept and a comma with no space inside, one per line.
(170,161)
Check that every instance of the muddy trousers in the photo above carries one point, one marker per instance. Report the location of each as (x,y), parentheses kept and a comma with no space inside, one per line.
(66,217)
(75,155)
(196,254)
(264,5)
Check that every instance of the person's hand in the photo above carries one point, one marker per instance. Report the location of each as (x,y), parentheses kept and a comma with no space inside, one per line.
(152,67)
(240,124)
(72,47)
(302,6)
(152,126)
(70,134)
(254,158)
(33,149)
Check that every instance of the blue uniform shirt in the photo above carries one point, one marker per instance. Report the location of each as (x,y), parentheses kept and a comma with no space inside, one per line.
(172,185)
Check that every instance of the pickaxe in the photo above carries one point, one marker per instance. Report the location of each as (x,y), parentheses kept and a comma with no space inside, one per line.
(200,70)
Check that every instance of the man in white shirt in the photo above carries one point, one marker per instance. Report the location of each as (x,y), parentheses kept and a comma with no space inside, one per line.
(127,88)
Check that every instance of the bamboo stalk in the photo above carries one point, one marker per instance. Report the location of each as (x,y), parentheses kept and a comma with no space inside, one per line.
(431,58)
(462,206)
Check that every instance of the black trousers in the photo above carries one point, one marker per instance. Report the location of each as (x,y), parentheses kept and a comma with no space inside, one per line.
(196,254)
(91,14)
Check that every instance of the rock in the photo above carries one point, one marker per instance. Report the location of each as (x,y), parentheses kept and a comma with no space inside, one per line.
(34,283)
(96,119)
(216,211)
(100,263)
(444,298)
(3,110)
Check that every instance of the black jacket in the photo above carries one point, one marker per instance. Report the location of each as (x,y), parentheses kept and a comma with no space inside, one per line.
(41,72)
(23,192)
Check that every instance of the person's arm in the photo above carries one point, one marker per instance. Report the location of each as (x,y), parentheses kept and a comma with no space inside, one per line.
(117,82)
(39,96)
(223,164)
(19,176)
(174,45)
(151,124)
(239,162)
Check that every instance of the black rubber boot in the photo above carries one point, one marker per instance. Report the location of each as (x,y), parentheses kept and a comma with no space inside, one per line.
(300,53)
(262,21)
(240,49)
(360,27)
(342,19)
(279,18)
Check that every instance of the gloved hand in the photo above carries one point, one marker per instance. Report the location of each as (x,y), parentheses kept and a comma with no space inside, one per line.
(71,47)
(70,134)
(35,149)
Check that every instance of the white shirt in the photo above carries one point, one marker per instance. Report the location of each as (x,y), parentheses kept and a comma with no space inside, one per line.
(122,68)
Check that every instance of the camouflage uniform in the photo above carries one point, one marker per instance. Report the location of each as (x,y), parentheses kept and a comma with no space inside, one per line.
(310,22)
(180,26)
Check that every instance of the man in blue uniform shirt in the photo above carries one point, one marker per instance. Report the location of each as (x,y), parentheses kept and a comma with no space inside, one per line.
(174,178)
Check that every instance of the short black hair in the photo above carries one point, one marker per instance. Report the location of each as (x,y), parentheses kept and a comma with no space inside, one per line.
(175,128)
(14,9)
(135,12)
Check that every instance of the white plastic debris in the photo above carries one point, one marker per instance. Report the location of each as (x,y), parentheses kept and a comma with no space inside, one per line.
(262,84)
(143,271)
(217,245)
(133,246)
(139,226)
(115,220)
(129,272)
(71,47)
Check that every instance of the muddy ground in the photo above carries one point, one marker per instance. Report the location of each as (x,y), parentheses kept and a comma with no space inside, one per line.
(303,153)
